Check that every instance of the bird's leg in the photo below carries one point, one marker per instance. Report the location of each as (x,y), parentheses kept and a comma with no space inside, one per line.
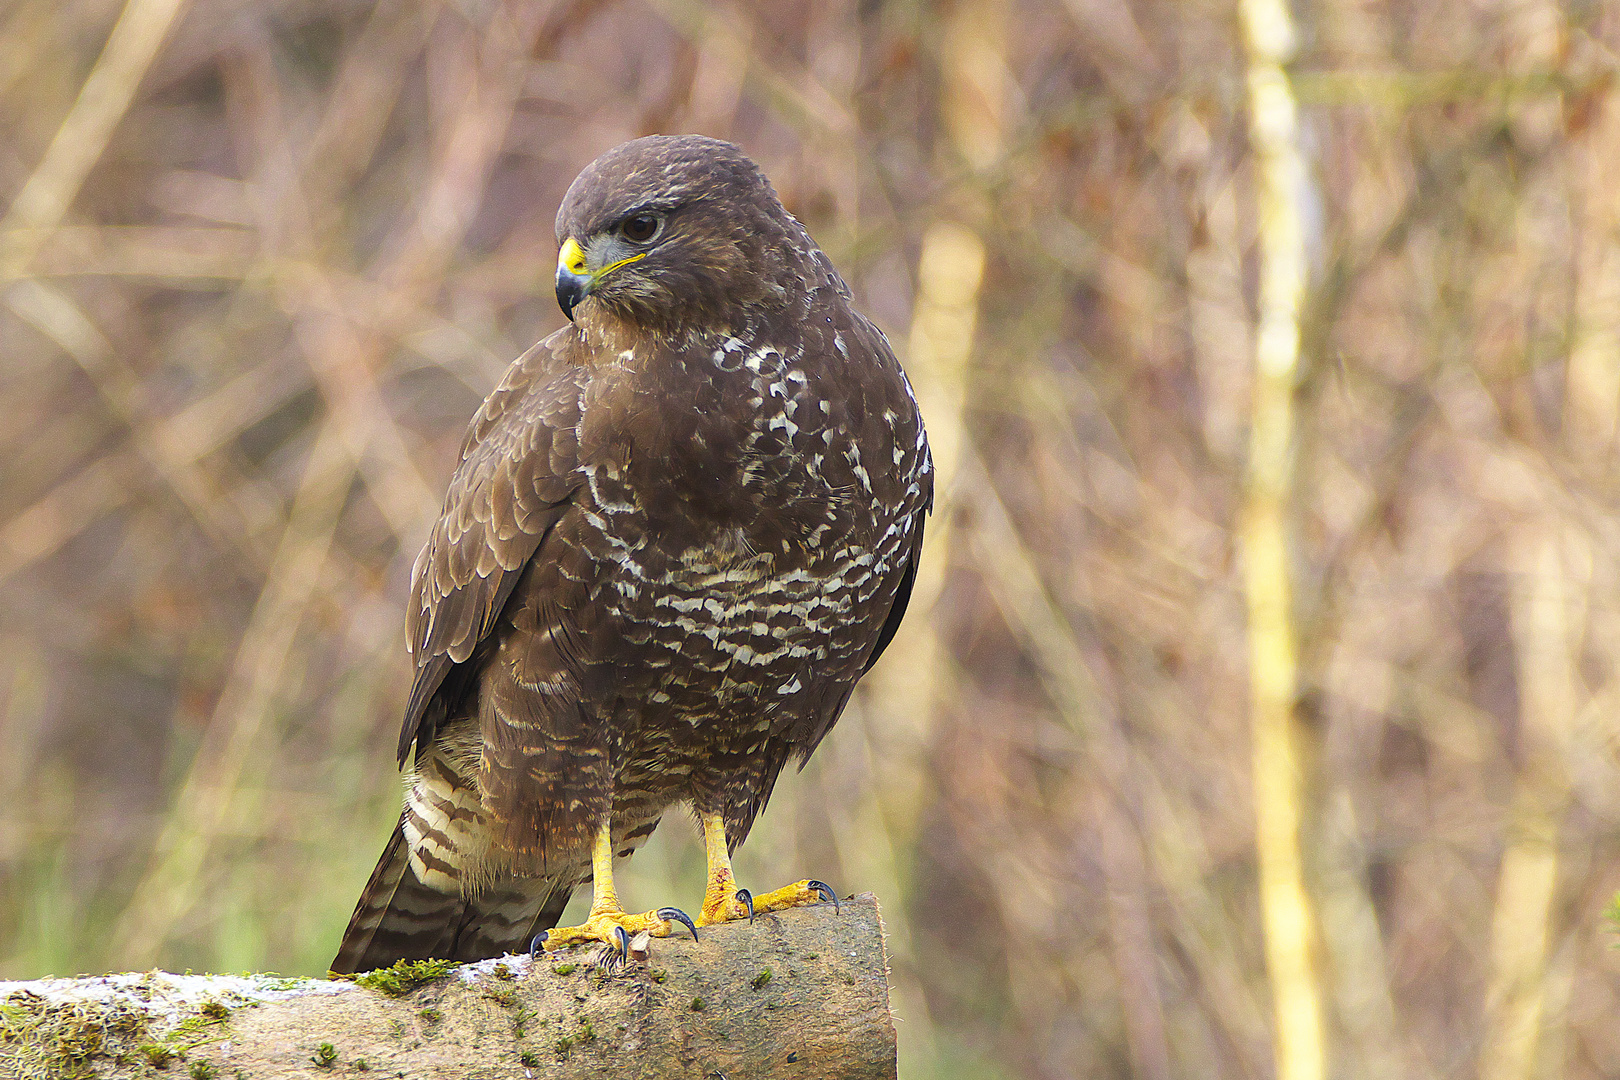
(723,901)
(608,922)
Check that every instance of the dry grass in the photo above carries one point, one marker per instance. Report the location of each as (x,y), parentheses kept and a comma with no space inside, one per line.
(259,262)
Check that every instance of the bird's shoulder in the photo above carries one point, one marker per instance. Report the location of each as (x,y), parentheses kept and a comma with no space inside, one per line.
(538,399)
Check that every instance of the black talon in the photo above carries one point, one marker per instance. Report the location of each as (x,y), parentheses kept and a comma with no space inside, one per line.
(623,955)
(825,891)
(675,914)
(537,944)
(747,899)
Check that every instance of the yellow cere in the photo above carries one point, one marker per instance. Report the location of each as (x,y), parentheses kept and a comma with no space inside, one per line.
(572,257)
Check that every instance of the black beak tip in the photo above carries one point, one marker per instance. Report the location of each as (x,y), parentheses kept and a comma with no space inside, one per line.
(570,291)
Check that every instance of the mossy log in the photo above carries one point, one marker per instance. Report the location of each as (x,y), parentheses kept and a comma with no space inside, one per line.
(800,993)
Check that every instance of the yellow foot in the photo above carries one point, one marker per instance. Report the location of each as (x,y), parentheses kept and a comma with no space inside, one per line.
(614,928)
(728,902)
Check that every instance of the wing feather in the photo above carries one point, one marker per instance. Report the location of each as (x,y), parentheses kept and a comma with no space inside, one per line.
(518,472)
(902,597)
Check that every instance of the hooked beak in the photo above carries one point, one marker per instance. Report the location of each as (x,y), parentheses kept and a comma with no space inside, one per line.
(574,279)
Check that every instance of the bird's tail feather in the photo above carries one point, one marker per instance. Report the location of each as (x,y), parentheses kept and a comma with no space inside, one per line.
(400,918)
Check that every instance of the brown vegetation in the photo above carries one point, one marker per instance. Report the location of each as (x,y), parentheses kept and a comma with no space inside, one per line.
(261,260)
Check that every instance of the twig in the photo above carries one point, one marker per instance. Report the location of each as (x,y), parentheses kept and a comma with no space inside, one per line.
(79,142)
(1548,626)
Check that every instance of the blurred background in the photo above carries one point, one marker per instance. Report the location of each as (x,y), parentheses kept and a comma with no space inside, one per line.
(261,259)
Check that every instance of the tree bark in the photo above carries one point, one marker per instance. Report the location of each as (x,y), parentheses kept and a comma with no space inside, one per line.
(800,993)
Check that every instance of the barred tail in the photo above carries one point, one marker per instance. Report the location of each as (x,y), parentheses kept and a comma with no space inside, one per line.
(400,918)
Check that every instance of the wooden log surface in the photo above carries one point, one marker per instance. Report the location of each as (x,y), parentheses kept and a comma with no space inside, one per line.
(800,993)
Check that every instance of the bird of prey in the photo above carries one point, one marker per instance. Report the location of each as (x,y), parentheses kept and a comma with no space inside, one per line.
(681,528)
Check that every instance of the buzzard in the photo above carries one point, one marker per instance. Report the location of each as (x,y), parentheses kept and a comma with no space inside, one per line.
(681,528)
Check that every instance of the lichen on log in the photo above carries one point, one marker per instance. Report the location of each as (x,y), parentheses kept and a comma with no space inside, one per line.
(799,993)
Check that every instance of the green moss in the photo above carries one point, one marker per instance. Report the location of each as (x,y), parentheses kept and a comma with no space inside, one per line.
(285,984)
(529,1058)
(325,1056)
(201,1070)
(659,975)
(501,971)
(697,1004)
(362,1065)
(404,976)
(158,1055)
(430,1014)
(501,996)
(41,1040)
(563,1045)
(202,1028)
(587,1030)
(760,981)
(563,969)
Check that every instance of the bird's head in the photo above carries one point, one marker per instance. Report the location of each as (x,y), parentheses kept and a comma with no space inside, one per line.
(673,233)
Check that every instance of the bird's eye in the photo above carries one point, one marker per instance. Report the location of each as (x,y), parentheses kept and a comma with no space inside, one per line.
(639,228)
